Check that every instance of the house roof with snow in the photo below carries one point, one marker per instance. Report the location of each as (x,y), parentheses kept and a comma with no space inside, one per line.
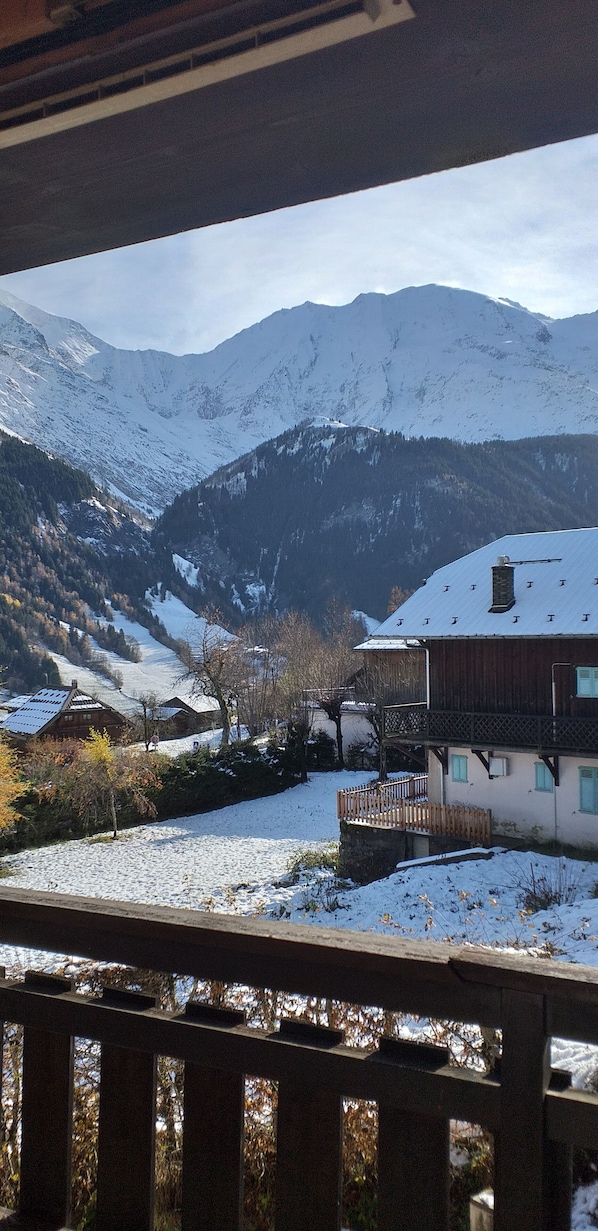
(15,703)
(39,711)
(387,643)
(555,590)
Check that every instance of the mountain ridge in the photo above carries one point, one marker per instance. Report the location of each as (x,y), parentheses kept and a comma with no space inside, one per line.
(425,361)
(346,514)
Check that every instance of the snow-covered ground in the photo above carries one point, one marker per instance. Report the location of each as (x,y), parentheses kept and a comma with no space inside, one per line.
(235,860)
(180,622)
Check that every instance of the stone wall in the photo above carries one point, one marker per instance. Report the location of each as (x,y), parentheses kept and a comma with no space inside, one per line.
(369,852)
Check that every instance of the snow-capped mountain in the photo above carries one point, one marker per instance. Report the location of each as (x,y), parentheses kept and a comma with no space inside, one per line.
(426,361)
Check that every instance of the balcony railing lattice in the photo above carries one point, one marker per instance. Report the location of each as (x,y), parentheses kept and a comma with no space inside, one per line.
(413,724)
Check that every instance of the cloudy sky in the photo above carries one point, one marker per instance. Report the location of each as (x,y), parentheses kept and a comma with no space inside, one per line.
(524,227)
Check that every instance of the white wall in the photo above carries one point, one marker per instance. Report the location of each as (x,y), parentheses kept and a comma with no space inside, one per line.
(518,810)
(354,726)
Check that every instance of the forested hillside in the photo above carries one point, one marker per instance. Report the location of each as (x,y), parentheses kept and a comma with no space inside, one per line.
(353,512)
(66,555)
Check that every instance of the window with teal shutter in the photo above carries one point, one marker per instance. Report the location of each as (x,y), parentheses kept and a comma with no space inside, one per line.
(458,768)
(544,779)
(587,681)
(588,789)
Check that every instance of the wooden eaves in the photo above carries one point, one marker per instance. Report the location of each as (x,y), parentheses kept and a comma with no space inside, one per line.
(452,84)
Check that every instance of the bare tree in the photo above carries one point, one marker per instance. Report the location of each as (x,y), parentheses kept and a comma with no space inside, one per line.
(214,662)
(260,668)
(337,665)
(299,645)
(380,692)
(147,718)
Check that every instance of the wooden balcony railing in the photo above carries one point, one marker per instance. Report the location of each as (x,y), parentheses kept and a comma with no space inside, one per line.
(361,802)
(413,813)
(415,724)
(535,1121)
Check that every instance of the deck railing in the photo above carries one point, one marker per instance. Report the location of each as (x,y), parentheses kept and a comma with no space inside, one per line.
(415,724)
(535,1121)
(473,825)
(361,802)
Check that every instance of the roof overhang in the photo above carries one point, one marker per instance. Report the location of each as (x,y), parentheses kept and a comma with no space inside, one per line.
(108,139)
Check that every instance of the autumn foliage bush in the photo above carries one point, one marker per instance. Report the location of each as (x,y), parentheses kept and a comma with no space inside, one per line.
(64,789)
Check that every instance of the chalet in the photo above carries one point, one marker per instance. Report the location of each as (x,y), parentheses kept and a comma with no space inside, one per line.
(510,718)
(61,713)
(186,718)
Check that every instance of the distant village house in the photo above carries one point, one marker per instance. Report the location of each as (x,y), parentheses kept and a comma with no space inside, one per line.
(60,713)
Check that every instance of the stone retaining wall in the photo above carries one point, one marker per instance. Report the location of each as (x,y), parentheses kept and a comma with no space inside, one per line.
(370,852)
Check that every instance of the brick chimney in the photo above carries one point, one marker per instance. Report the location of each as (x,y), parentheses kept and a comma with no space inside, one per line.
(503,585)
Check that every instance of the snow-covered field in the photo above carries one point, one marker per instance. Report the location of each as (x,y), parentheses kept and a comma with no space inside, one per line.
(235,860)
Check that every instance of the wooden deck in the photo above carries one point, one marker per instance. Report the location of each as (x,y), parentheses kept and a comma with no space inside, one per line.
(402,804)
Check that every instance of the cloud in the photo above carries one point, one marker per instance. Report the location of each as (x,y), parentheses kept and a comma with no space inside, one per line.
(522,227)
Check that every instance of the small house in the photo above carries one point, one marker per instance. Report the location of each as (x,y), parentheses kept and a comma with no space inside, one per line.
(61,713)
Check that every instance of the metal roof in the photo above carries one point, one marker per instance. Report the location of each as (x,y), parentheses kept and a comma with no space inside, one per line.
(37,711)
(82,701)
(15,703)
(386,643)
(556,592)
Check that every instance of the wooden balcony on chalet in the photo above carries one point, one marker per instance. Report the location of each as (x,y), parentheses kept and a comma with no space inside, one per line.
(544,734)
(536,1118)
(403,804)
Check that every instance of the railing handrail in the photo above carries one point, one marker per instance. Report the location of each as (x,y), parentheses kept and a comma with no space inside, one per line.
(548,732)
(537,1124)
(395,787)
(360,968)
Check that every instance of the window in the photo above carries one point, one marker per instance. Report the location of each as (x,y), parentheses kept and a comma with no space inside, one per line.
(458,768)
(587,681)
(588,789)
(544,778)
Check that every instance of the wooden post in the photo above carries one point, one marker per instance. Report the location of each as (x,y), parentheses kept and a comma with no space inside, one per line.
(558,1169)
(520,1146)
(413,1152)
(308,1145)
(126,1147)
(47,1117)
(213,1137)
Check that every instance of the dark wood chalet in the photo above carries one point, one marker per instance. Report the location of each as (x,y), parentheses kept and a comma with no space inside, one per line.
(62,713)
(510,634)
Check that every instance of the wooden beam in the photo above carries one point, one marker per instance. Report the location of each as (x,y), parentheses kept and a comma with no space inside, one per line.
(459,84)
(441,755)
(212,1180)
(346,1071)
(484,760)
(126,1143)
(519,1182)
(354,967)
(552,763)
(47,1116)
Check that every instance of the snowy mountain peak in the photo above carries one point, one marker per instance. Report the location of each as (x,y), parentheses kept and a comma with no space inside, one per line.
(425,361)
